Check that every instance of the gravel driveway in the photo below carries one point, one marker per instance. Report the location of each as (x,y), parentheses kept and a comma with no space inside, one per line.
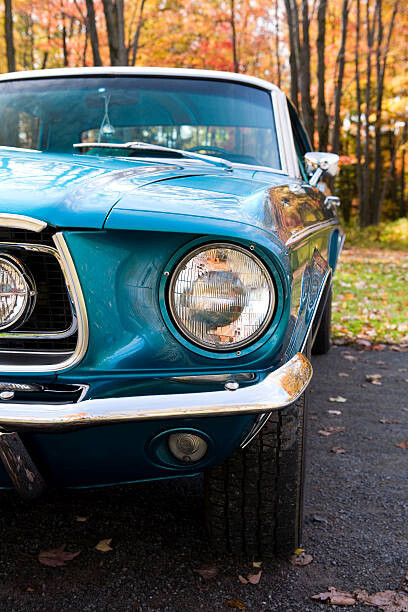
(355,518)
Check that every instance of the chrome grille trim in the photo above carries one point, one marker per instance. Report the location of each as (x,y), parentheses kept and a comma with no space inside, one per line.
(21,222)
(63,255)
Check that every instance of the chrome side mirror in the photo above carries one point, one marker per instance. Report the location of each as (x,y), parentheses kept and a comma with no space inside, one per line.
(319,164)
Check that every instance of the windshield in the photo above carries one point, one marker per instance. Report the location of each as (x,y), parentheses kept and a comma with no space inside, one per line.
(217,118)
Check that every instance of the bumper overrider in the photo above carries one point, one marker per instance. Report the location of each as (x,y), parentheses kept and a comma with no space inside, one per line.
(277,390)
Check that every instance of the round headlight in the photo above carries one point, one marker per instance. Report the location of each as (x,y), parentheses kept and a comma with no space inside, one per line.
(15,294)
(221,297)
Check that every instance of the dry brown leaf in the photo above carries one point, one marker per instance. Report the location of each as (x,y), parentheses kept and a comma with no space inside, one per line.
(254,578)
(301,559)
(242,579)
(339,399)
(403,445)
(389,601)
(373,377)
(56,557)
(350,357)
(337,450)
(328,431)
(207,571)
(257,564)
(104,545)
(235,603)
(81,519)
(343,374)
(389,421)
(338,598)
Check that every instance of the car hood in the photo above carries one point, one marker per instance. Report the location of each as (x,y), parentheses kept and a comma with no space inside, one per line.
(76,191)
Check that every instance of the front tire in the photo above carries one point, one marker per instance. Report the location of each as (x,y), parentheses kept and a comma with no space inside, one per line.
(254,499)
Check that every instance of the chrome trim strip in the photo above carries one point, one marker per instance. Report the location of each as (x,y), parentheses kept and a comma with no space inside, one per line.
(75,291)
(327,277)
(307,231)
(41,335)
(279,389)
(21,222)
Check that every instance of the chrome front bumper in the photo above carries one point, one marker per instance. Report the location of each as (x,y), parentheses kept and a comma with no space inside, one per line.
(279,389)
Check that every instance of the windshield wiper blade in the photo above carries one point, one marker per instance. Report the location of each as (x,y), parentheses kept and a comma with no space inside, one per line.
(146,146)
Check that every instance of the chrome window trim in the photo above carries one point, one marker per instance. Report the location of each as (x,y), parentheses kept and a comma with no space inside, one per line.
(21,222)
(140,71)
(62,253)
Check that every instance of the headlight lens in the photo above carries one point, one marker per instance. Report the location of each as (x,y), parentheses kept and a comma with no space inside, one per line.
(221,297)
(14,293)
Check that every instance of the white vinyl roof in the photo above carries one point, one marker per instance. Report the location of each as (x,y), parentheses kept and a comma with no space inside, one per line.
(128,71)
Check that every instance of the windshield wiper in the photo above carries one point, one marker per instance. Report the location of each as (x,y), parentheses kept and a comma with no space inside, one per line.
(146,146)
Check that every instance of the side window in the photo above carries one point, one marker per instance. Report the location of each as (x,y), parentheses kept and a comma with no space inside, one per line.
(300,137)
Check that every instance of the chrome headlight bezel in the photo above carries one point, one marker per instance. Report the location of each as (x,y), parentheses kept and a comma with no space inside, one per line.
(28,293)
(236,348)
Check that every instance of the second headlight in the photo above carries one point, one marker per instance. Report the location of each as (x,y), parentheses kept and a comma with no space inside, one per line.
(221,297)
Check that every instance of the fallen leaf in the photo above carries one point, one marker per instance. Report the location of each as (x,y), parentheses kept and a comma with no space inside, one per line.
(242,579)
(320,519)
(81,519)
(343,374)
(207,571)
(255,578)
(301,559)
(103,545)
(235,603)
(389,421)
(338,399)
(337,450)
(402,445)
(350,357)
(56,557)
(339,598)
(389,601)
(335,412)
(328,431)
(257,564)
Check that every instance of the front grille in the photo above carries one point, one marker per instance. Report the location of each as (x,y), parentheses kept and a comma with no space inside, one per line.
(52,312)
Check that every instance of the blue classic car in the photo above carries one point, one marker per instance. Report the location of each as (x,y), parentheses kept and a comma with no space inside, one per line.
(166,255)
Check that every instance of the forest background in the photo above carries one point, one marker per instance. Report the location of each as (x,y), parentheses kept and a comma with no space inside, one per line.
(344,63)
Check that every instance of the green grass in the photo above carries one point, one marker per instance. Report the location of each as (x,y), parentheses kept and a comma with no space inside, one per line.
(370,297)
(390,235)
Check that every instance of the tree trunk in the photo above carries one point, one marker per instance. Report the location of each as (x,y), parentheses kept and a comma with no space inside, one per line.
(341,60)
(365,204)
(294,44)
(64,42)
(234,36)
(322,118)
(8,29)
(359,126)
(115,25)
(135,43)
(278,66)
(381,64)
(307,110)
(93,33)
